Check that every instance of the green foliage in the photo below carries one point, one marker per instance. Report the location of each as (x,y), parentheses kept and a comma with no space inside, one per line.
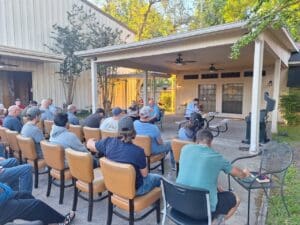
(290,134)
(141,16)
(290,105)
(82,32)
(165,100)
(276,212)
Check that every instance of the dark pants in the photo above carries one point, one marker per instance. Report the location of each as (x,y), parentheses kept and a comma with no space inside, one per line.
(24,206)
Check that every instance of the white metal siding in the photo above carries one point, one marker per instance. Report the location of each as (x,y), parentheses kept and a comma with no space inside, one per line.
(28,23)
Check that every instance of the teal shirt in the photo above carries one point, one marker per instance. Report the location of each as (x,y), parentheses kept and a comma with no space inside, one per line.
(200,167)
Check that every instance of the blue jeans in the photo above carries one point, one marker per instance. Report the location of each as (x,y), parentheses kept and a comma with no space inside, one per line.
(165,148)
(149,182)
(1,150)
(18,177)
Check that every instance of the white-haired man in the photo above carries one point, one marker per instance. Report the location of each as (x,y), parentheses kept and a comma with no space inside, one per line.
(72,119)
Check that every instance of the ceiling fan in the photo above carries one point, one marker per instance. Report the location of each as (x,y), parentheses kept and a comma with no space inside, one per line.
(179,61)
(212,68)
(4,64)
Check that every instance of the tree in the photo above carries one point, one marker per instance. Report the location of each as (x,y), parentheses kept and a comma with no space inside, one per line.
(82,32)
(141,16)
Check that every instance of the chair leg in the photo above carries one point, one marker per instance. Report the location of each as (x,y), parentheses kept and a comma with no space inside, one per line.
(248,214)
(148,163)
(75,197)
(49,182)
(109,210)
(20,158)
(90,211)
(162,166)
(131,212)
(283,201)
(62,187)
(158,211)
(177,169)
(36,174)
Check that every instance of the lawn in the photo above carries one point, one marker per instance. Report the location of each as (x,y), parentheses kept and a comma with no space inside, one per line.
(277,214)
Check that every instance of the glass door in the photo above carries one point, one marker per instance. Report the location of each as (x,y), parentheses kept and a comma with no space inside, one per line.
(207,97)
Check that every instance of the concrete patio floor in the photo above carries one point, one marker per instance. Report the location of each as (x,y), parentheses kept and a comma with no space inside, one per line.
(227,144)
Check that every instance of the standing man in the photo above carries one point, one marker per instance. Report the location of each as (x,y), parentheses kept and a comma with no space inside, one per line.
(200,166)
(30,129)
(72,119)
(12,120)
(121,149)
(191,108)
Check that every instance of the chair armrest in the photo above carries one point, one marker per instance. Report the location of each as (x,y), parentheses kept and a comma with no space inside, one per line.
(246,157)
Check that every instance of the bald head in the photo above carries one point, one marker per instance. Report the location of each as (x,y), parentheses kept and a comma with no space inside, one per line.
(72,108)
(14,111)
(45,104)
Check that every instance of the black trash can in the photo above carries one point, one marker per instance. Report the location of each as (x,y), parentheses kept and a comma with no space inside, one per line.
(262,127)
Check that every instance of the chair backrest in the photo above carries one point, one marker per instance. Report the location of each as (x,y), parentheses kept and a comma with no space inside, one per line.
(12,139)
(54,155)
(91,133)
(27,147)
(80,164)
(193,202)
(106,134)
(276,157)
(40,125)
(119,178)
(144,142)
(3,134)
(177,145)
(48,126)
(77,130)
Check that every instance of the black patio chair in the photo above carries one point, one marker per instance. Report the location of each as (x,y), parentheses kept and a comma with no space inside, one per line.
(275,160)
(185,205)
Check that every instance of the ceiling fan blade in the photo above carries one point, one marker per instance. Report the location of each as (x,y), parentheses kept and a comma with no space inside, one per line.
(189,61)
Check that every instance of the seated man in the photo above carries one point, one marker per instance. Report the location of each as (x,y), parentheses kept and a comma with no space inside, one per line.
(155,112)
(46,113)
(94,119)
(17,176)
(200,166)
(111,123)
(144,127)
(22,205)
(189,131)
(12,120)
(62,136)
(30,129)
(72,119)
(133,111)
(191,108)
(122,150)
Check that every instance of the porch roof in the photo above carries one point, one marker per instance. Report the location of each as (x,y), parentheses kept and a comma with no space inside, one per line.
(26,54)
(205,46)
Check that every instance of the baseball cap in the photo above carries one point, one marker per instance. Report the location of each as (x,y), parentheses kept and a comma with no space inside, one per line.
(125,125)
(33,111)
(145,111)
(116,111)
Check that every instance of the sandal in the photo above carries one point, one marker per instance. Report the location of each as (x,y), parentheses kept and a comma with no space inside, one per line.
(69,218)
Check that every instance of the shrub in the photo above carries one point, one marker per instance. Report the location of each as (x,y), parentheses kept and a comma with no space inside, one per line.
(290,105)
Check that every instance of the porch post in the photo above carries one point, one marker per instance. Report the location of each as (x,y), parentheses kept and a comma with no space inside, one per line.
(154,87)
(276,88)
(145,88)
(94,85)
(256,95)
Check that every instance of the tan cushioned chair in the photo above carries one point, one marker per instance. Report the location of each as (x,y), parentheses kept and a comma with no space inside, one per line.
(27,148)
(54,156)
(119,179)
(13,144)
(77,130)
(144,142)
(4,141)
(47,128)
(176,145)
(89,132)
(86,178)
(106,134)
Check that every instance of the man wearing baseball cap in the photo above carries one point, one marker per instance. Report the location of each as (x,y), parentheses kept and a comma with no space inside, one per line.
(121,149)
(30,129)
(145,127)
(111,123)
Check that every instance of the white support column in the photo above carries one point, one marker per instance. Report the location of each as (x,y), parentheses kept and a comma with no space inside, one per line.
(145,88)
(94,85)
(276,90)
(256,95)
(154,87)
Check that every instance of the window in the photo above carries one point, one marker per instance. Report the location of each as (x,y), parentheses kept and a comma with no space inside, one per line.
(232,101)
(209,76)
(191,77)
(207,97)
(230,75)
